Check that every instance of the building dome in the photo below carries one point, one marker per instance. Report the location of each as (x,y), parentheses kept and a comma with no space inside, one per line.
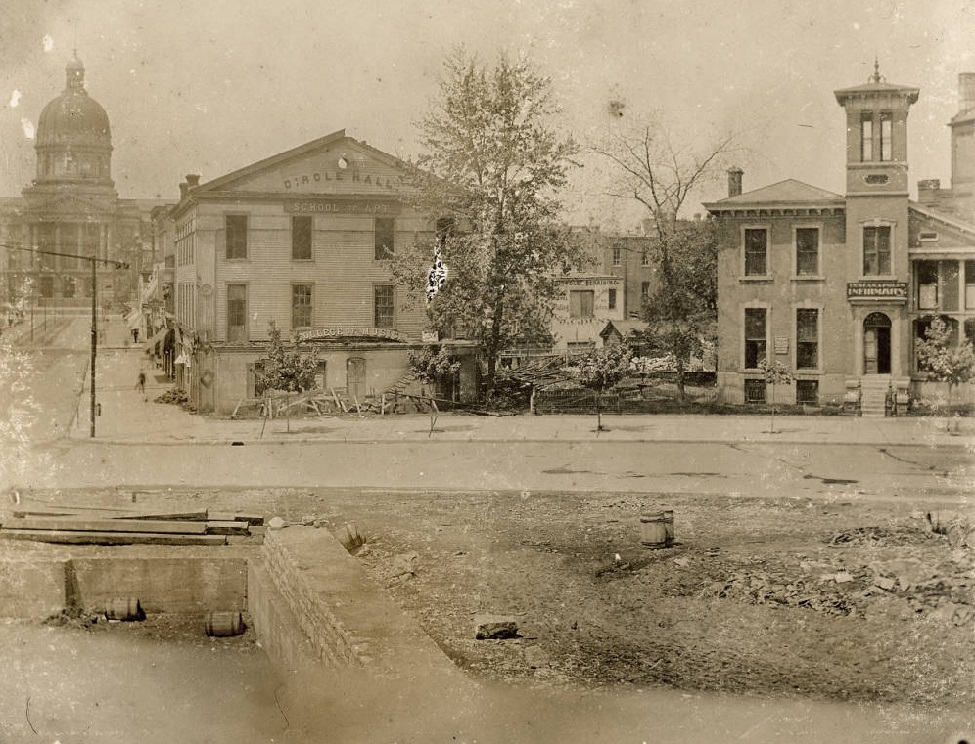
(74,117)
(74,137)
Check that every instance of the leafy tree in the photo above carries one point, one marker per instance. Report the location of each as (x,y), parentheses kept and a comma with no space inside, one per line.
(285,370)
(490,175)
(432,364)
(603,369)
(661,177)
(681,313)
(943,359)
(776,373)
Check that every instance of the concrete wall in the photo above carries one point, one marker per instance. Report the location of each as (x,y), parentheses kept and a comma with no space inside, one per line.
(175,585)
(38,588)
(31,587)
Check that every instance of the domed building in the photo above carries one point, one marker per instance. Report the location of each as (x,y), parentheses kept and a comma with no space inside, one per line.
(71,208)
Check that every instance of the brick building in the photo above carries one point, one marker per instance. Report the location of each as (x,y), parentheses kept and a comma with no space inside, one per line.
(839,287)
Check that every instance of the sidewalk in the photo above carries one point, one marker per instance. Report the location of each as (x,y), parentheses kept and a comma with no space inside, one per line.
(125,418)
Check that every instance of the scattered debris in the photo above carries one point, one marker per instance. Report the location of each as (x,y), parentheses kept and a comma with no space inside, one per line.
(495,626)
(351,538)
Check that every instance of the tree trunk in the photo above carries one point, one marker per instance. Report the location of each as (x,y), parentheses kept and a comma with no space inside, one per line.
(494,342)
(681,393)
(599,415)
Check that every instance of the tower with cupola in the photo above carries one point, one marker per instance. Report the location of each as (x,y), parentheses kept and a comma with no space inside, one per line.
(878,269)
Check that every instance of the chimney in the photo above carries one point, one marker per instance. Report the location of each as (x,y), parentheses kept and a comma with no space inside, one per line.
(927,191)
(183,188)
(966,91)
(734,181)
(193,180)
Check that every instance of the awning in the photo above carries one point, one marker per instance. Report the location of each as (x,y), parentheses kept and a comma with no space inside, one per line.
(162,339)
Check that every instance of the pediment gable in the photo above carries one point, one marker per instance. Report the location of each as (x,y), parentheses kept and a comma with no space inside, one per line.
(335,165)
(933,231)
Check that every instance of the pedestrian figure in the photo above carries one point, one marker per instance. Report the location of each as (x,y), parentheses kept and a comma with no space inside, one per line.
(141,385)
(135,335)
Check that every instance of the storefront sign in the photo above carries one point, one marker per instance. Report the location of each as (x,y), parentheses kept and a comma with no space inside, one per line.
(335,206)
(317,334)
(430,337)
(877,290)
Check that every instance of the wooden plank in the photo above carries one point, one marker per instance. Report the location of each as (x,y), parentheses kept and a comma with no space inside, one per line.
(227,528)
(185,515)
(85,524)
(219,516)
(99,512)
(110,538)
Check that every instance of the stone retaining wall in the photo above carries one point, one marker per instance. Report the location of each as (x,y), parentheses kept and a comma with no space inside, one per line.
(345,617)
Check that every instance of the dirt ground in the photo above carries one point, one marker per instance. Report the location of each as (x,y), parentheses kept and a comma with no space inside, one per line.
(859,602)
(843,600)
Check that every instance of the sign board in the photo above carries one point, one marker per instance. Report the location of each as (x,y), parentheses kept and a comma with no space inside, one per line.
(879,290)
(430,337)
(781,344)
(311,205)
(337,332)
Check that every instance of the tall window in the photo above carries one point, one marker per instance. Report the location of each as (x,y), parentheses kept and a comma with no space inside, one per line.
(46,241)
(876,251)
(236,228)
(581,303)
(756,252)
(645,258)
(47,286)
(617,255)
(69,244)
(236,312)
(300,238)
(970,285)
(755,340)
(301,305)
(644,292)
(612,299)
(384,308)
(385,237)
(807,251)
(807,338)
(866,137)
(886,130)
(927,285)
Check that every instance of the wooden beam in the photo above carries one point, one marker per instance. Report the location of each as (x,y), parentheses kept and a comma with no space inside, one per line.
(110,538)
(227,528)
(84,524)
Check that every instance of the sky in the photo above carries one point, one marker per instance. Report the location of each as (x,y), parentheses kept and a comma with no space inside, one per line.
(209,86)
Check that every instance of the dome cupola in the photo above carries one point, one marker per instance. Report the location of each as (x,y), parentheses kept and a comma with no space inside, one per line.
(74,138)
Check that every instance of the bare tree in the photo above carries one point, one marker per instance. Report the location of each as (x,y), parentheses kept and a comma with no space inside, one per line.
(661,177)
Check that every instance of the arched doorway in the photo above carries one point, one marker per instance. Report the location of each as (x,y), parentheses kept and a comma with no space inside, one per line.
(876,344)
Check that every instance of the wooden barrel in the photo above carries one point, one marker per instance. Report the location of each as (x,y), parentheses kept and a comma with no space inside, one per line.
(223,624)
(125,608)
(657,530)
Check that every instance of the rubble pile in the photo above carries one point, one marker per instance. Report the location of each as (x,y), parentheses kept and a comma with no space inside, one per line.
(868,572)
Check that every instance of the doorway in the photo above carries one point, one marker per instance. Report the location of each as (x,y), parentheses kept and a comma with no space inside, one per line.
(356,372)
(876,344)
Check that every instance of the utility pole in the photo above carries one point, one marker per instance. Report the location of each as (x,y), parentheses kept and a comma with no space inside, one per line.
(94,306)
(94,340)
